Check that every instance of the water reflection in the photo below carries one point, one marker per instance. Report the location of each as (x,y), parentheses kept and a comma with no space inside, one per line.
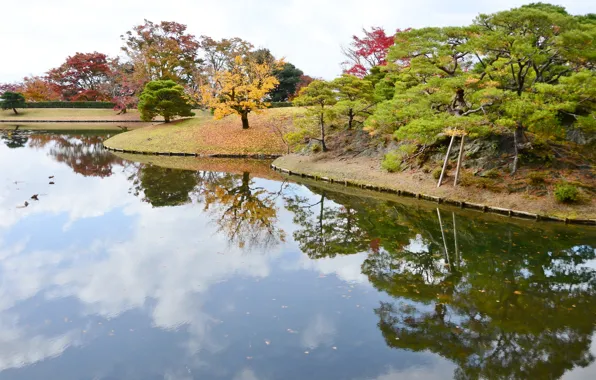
(14,138)
(254,278)
(498,300)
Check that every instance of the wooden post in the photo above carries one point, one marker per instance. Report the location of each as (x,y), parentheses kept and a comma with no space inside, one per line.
(444,241)
(457,260)
(446,160)
(461,153)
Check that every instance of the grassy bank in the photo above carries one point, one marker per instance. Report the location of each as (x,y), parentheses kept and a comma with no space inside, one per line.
(58,114)
(204,135)
(53,126)
(366,170)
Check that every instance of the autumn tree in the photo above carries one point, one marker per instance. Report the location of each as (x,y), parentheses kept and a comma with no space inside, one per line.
(318,98)
(246,213)
(81,77)
(366,52)
(218,56)
(355,97)
(39,89)
(162,51)
(303,82)
(124,86)
(165,98)
(12,100)
(240,89)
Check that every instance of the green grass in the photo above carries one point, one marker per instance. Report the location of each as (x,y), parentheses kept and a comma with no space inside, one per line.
(204,135)
(68,114)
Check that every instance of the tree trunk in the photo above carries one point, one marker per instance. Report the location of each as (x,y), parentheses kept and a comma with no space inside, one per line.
(166,118)
(461,153)
(244,117)
(517,135)
(350,118)
(323,133)
(446,160)
(15,111)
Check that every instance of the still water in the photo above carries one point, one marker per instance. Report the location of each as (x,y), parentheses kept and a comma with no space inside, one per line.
(128,270)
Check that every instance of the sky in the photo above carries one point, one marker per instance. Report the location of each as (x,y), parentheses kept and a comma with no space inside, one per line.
(38,35)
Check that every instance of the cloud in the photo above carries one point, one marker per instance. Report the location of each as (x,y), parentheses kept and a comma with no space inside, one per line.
(308,33)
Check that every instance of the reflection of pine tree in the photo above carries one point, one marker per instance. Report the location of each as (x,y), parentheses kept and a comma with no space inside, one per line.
(15,138)
(326,228)
(165,186)
(505,312)
(500,301)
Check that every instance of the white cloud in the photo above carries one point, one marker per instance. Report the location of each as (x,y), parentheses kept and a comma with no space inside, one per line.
(38,34)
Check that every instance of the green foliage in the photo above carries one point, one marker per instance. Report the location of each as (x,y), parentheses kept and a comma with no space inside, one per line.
(392,162)
(57,104)
(566,193)
(289,77)
(528,69)
(355,98)
(280,104)
(491,173)
(165,98)
(318,98)
(12,100)
(437,173)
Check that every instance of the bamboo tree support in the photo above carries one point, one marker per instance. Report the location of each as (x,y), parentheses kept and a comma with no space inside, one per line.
(446,160)
(457,259)
(459,157)
(444,241)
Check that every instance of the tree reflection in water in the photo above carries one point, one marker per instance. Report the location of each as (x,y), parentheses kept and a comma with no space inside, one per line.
(500,300)
(244,212)
(82,151)
(14,138)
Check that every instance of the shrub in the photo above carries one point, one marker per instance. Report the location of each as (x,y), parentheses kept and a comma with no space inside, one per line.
(316,148)
(566,193)
(408,149)
(58,104)
(392,161)
(492,173)
(537,178)
(437,173)
(280,104)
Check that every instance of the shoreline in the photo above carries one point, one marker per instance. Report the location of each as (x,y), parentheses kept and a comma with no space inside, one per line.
(319,170)
(12,122)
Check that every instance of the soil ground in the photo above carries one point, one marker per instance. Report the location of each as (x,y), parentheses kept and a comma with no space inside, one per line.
(367,170)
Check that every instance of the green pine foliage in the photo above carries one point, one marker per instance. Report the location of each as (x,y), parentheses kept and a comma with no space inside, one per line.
(12,100)
(165,98)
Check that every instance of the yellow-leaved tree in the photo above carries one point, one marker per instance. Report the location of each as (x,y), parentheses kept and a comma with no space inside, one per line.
(240,89)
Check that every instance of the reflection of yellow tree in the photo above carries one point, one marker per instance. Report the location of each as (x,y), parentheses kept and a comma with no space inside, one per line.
(246,214)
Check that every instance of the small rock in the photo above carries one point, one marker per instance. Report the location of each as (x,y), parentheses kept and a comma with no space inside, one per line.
(34,197)
(51,183)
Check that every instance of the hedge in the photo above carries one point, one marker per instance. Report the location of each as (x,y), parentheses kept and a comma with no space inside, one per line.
(103,105)
(280,104)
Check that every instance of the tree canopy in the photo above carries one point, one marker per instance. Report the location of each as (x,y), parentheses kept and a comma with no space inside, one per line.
(12,100)
(165,98)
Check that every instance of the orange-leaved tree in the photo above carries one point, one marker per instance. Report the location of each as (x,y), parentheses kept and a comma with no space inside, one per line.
(239,90)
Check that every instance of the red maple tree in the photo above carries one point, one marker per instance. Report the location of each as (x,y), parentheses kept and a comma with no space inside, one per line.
(365,53)
(82,76)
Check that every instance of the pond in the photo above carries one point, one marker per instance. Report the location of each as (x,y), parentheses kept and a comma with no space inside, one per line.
(123,269)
